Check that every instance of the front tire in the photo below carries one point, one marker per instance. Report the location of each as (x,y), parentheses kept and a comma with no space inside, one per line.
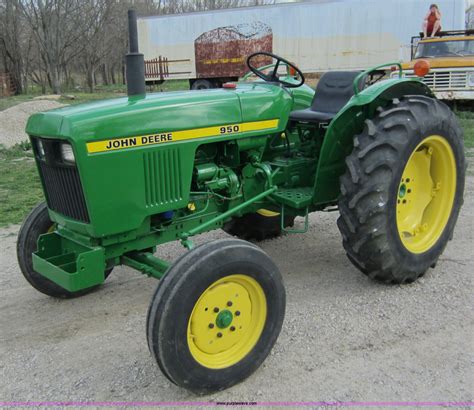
(403,189)
(216,315)
(38,223)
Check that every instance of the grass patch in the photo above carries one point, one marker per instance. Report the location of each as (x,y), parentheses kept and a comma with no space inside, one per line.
(81,97)
(171,85)
(104,92)
(101,93)
(20,186)
(466,119)
(7,102)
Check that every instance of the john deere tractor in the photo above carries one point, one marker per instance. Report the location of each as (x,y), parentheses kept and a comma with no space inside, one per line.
(126,175)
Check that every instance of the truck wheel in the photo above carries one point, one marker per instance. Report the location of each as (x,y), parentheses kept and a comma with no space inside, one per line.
(36,224)
(260,225)
(403,189)
(202,85)
(216,315)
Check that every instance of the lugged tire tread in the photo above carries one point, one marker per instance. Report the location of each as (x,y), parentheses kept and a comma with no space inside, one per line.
(376,154)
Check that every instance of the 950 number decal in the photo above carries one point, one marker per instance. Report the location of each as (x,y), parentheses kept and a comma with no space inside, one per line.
(229,129)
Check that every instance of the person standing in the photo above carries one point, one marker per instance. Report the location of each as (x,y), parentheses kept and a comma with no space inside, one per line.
(432,22)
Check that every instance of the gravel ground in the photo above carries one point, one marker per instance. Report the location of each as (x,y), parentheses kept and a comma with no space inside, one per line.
(13,120)
(345,338)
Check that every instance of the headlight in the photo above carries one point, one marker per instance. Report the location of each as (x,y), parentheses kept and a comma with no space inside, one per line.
(67,155)
(40,148)
(470,80)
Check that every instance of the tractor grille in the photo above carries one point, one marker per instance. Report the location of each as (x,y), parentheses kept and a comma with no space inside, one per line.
(61,183)
(64,192)
(445,80)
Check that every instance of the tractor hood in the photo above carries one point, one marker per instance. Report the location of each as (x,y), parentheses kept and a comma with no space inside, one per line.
(118,141)
(161,112)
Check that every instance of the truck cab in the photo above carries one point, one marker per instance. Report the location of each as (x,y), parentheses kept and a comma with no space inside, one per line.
(451,58)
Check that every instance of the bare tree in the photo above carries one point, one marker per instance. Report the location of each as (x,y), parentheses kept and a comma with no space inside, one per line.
(186,6)
(55,42)
(55,26)
(95,44)
(14,43)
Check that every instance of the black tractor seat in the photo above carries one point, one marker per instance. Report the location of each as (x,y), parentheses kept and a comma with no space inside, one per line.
(333,91)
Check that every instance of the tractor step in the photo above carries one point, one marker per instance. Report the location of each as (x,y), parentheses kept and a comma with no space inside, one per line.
(297,198)
(69,264)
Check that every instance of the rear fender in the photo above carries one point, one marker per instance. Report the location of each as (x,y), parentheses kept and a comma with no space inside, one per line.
(338,141)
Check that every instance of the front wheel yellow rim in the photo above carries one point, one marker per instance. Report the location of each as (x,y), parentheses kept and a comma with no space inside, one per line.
(227,321)
(426,194)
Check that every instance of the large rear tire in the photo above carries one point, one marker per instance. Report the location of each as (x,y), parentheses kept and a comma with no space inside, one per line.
(37,223)
(216,315)
(403,189)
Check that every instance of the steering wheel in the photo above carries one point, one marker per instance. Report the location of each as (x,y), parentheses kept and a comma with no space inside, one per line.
(273,77)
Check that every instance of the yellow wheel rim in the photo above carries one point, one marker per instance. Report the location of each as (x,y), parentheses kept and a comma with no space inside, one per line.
(426,194)
(227,321)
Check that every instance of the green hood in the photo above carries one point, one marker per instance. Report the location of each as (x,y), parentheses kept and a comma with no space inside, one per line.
(159,112)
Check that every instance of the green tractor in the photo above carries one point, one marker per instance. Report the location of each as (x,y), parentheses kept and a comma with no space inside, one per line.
(126,175)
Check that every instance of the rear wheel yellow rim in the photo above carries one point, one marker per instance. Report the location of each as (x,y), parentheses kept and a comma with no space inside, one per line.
(426,194)
(227,321)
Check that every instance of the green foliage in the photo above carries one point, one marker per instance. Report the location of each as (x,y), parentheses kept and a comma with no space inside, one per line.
(7,102)
(101,93)
(18,151)
(171,85)
(20,187)
(466,119)
(24,146)
(81,97)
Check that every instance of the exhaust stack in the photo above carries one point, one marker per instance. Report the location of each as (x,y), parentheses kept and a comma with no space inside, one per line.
(134,60)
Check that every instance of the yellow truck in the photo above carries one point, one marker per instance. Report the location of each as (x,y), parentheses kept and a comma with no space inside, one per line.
(451,58)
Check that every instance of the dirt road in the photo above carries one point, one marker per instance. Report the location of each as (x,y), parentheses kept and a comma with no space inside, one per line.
(344,338)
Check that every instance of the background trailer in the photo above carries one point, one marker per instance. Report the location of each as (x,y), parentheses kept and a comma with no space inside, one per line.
(317,36)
